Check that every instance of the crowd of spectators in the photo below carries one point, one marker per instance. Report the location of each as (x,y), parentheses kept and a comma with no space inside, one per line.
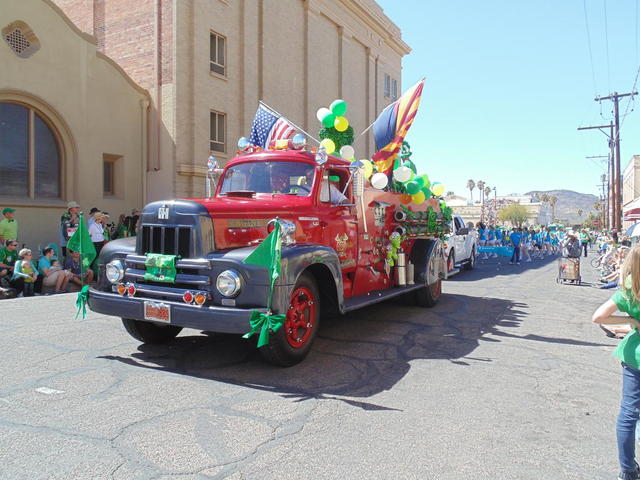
(55,270)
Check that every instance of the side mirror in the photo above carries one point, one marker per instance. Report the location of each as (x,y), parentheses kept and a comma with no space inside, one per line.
(463,231)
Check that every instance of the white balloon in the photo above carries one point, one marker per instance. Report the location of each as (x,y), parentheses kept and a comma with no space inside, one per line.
(320,114)
(347,152)
(379,181)
(402,174)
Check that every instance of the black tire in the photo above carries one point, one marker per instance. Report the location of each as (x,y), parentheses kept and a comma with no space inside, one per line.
(595,262)
(429,295)
(281,350)
(471,263)
(148,332)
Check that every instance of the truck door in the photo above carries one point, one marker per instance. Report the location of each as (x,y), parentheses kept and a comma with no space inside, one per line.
(460,239)
(339,221)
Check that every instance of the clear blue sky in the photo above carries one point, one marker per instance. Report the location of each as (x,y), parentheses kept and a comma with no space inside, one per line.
(508,83)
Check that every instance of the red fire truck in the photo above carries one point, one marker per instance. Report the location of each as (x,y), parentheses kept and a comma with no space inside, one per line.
(336,255)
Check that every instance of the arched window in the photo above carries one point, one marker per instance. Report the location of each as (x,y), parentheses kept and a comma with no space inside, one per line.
(30,153)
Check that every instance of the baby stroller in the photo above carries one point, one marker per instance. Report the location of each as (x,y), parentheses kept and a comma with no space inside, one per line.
(569,264)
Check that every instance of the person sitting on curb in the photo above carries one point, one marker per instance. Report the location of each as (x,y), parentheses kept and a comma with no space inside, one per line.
(53,275)
(25,274)
(79,277)
(8,257)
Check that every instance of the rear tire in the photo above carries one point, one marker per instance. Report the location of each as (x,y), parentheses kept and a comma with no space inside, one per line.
(292,342)
(148,332)
(429,295)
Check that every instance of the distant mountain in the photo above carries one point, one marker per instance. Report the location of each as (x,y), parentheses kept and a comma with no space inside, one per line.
(568,204)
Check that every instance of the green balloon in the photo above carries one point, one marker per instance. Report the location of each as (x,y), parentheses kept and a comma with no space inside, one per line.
(338,107)
(328,120)
(427,193)
(427,183)
(412,187)
(419,181)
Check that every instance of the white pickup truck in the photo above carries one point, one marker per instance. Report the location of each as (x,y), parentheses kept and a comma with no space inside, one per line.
(460,247)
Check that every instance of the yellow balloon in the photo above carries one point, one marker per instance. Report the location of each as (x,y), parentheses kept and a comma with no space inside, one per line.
(437,188)
(418,198)
(341,123)
(328,145)
(367,168)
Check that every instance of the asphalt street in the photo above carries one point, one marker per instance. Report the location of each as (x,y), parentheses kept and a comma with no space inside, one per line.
(506,378)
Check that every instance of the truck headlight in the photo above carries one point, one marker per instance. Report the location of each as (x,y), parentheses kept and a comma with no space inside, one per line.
(114,271)
(228,283)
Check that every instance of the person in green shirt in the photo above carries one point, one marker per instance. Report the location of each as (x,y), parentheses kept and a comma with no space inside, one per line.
(627,300)
(8,226)
(584,241)
(8,258)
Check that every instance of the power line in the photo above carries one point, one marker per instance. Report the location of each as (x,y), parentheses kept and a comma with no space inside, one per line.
(606,40)
(586,24)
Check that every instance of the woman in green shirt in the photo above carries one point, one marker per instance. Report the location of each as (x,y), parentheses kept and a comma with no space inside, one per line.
(627,300)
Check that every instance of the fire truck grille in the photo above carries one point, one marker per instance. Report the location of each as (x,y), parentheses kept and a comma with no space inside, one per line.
(167,240)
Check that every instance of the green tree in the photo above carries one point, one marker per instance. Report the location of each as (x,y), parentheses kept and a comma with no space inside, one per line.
(580,212)
(514,213)
(487,191)
(552,201)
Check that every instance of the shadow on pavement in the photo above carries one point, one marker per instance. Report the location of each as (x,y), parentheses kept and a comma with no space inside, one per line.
(357,355)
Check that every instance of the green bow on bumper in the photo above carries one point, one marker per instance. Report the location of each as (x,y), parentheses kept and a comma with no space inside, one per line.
(265,323)
(160,268)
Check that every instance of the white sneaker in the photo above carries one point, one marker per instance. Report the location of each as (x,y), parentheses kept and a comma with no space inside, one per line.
(528,260)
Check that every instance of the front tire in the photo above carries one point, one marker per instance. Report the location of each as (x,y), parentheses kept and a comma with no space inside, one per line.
(292,342)
(148,332)
(471,264)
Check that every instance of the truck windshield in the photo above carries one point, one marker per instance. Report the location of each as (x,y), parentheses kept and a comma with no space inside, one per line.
(290,178)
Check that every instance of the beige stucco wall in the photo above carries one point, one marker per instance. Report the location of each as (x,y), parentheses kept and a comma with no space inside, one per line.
(95,108)
(296,55)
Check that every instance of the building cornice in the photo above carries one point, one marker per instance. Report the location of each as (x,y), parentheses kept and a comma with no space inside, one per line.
(372,15)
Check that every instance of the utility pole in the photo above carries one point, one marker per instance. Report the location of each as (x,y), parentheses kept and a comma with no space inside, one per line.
(610,215)
(617,193)
(604,200)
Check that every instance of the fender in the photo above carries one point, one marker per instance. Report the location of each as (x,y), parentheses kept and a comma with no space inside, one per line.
(298,258)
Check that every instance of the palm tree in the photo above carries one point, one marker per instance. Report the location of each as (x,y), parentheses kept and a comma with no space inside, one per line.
(544,198)
(487,191)
(471,185)
(580,212)
(480,185)
(552,201)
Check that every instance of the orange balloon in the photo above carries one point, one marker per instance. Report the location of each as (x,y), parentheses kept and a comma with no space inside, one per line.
(405,199)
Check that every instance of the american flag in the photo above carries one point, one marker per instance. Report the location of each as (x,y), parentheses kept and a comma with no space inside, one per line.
(267,126)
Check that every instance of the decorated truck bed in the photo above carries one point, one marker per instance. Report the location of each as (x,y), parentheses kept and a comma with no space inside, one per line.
(289,236)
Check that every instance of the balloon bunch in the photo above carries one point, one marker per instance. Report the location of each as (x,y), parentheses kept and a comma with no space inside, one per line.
(336,132)
(413,187)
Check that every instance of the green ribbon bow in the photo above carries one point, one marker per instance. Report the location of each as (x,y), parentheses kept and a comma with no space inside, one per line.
(160,268)
(266,323)
(81,302)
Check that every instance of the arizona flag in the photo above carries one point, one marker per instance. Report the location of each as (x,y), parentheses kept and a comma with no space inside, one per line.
(392,126)
(268,126)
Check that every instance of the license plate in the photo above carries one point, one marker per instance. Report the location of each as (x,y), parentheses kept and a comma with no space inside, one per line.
(158,312)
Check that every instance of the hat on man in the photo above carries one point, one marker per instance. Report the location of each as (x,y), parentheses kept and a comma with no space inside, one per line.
(8,210)
(73,205)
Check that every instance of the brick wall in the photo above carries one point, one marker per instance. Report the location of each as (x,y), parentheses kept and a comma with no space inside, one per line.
(125,32)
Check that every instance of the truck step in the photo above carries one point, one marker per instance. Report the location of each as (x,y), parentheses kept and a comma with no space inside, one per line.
(377,296)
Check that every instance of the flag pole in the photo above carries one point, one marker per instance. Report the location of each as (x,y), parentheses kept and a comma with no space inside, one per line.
(81,278)
(296,126)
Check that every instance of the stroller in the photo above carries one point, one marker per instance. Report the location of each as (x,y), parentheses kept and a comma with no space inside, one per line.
(569,264)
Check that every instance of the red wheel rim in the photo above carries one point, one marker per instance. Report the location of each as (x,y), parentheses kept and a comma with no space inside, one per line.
(301,317)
